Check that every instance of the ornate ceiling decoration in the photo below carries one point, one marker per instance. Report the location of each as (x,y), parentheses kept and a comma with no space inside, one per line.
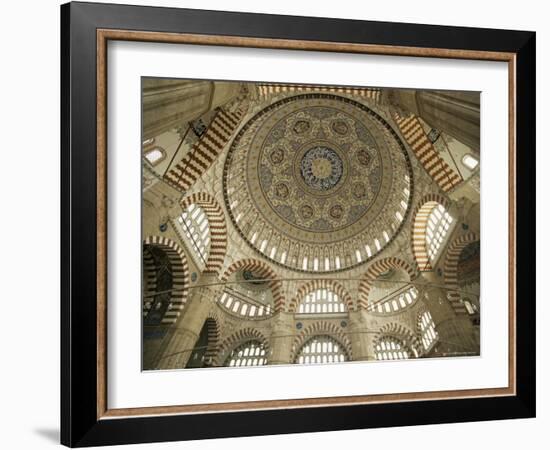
(317,183)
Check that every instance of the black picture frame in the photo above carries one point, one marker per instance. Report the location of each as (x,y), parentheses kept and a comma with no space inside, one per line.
(80,424)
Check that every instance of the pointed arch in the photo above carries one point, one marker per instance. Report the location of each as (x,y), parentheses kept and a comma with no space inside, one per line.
(218,228)
(419,226)
(321,328)
(402,333)
(240,337)
(313,285)
(377,268)
(263,270)
(451,270)
(180,276)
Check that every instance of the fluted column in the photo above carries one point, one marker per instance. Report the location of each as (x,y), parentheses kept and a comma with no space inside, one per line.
(457,334)
(361,339)
(453,112)
(282,337)
(183,337)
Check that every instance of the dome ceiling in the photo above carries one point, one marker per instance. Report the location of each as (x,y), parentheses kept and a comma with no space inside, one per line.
(317,183)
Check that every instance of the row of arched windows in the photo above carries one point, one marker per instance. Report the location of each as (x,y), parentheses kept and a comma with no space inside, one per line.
(325,349)
(317,350)
(391,348)
(321,301)
(195,227)
(321,350)
(269,244)
(250,353)
(244,307)
(395,303)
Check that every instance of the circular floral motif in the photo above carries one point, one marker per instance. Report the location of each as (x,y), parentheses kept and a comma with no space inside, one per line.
(359,190)
(336,211)
(340,127)
(321,168)
(301,126)
(306,211)
(281,190)
(364,157)
(277,156)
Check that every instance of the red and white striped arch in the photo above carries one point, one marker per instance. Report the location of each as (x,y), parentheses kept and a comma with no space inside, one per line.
(313,285)
(240,337)
(180,276)
(263,270)
(218,229)
(377,268)
(321,328)
(451,270)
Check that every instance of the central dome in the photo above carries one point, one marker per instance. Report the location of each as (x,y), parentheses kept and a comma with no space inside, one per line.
(314,182)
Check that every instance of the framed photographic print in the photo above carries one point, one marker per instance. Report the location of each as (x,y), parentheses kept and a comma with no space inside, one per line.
(277,224)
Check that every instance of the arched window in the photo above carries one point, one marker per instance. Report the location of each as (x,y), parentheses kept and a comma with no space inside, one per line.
(439,224)
(196,229)
(321,301)
(155,155)
(469,161)
(321,350)
(391,348)
(248,293)
(251,353)
(244,305)
(394,303)
(427,330)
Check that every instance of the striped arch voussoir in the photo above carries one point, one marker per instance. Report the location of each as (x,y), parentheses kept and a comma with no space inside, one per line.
(375,269)
(263,270)
(419,226)
(237,338)
(313,285)
(206,150)
(444,175)
(401,333)
(322,328)
(451,270)
(180,276)
(218,229)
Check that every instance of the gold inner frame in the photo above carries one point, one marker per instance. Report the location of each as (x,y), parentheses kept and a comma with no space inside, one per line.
(104,35)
